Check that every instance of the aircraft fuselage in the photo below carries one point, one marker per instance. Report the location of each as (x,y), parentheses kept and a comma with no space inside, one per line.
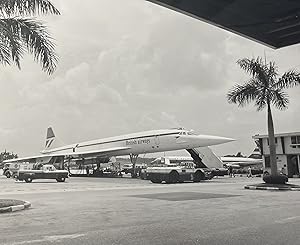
(140,143)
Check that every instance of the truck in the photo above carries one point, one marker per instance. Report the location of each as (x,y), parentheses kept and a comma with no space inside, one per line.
(128,168)
(173,173)
(46,171)
(10,169)
(201,165)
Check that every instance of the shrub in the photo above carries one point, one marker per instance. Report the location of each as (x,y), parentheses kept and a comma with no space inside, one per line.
(278,179)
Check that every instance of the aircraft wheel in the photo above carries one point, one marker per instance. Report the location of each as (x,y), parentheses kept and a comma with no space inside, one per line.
(28,180)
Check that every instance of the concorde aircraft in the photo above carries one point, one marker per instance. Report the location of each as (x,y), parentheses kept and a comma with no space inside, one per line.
(130,144)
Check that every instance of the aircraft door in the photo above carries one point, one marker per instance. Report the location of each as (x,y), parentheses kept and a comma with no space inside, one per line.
(293,167)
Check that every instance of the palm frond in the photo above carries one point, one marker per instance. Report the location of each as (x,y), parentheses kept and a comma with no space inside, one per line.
(39,43)
(11,39)
(27,7)
(35,38)
(279,99)
(243,94)
(255,67)
(262,99)
(272,72)
(289,79)
(5,57)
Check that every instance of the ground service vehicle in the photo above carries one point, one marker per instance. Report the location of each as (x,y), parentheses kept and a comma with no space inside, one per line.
(11,169)
(6,171)
(46,171)
(174,173)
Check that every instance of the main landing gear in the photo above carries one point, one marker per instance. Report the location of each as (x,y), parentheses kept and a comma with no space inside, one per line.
(133,159)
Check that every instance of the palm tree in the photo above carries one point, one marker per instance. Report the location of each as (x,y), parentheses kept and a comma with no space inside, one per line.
(265,89)
(20,32)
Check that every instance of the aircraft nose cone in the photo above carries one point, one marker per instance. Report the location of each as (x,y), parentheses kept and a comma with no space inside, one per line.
(213,140)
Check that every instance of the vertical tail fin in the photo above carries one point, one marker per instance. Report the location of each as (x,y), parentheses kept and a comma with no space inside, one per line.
(50,138)
(256,154)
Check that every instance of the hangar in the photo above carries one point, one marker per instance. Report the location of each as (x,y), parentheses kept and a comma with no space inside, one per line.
(273,23)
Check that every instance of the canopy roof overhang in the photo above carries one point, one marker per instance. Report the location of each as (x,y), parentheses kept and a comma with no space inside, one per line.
(275,23)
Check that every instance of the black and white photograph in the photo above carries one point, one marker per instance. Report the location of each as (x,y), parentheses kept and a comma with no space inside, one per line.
(149,122)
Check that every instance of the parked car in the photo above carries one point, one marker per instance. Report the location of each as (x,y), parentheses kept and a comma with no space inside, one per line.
(47,171)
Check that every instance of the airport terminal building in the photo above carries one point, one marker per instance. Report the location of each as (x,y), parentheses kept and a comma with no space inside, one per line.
(287,150)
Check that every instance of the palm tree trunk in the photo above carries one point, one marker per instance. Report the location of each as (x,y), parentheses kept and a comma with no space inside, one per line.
(273,161)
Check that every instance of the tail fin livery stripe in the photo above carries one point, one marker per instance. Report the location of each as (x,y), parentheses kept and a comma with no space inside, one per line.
(50,142)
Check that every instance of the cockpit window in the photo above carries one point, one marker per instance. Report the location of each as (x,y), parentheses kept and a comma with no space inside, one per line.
(187,132)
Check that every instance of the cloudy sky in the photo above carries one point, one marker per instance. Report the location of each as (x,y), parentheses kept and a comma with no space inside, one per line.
(128,66)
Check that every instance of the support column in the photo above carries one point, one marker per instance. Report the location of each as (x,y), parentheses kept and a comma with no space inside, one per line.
(68,166)
(133,159)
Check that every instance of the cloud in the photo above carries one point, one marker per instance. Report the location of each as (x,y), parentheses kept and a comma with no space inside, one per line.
(158,120)
(75,87)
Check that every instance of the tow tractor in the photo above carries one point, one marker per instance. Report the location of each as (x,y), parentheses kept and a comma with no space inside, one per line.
(173,173)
